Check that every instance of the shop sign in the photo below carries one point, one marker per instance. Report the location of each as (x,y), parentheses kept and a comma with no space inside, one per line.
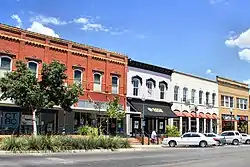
(10,119)
(155,109)
(228,117)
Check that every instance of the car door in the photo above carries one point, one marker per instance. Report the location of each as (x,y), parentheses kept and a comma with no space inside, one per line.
(185,139)
(230,136)
(195,139)
(225,134)
(244,137)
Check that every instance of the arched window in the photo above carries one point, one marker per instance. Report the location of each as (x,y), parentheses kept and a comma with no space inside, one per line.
(97,82)
(162,90)
(193,96)
(176,93)
(207,98)
(115,85)
(149,85)
(33,66)
(5,65)
(213,98)
(200,97)
(185,91)
(77,76)
(135,82)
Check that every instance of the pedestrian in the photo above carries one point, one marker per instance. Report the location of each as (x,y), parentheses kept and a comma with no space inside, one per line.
(153,136)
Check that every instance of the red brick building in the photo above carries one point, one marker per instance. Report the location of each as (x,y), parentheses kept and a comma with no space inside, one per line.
(102,73)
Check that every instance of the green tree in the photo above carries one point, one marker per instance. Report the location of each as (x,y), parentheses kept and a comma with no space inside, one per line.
(115,110)
(172,131)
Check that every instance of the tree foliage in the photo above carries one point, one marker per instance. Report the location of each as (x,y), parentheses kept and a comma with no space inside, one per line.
(115,110)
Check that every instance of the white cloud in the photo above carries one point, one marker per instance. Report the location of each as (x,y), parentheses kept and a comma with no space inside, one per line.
(17,18)
(40,28)
(210,72)
(82,20)
(48,20)
(224,2)
(245,55)
(242,41)
(90,25)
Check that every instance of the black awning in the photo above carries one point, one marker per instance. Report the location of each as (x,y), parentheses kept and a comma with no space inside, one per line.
(154,110)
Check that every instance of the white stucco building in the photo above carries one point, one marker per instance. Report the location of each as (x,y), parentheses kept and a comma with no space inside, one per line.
(148,90)
(195,101)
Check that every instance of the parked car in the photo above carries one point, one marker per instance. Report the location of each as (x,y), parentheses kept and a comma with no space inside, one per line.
(232,137)
(189,139)
(245,138)
(221,140)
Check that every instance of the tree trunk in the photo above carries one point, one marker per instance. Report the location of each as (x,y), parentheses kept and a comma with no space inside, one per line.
(34,122)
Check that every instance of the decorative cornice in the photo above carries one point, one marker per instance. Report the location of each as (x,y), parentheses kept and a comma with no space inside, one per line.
(7,53)
(33,58)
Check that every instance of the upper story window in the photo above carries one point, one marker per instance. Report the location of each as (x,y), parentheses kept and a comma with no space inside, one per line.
(115,85)
(227,101)
(97,82)
(207,98)
(33,66)
(200,96)
(78,76)
(242,103)
(162,91)
(213,98)
(176,93)
(135,83)
(193,96)
(149,85)
(185,91)
(5,65)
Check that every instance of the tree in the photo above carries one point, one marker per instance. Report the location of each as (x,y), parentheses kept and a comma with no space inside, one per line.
(115,110)
(24,89)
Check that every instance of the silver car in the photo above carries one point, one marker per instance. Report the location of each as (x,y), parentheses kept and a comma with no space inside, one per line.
(245,138)
(232,137)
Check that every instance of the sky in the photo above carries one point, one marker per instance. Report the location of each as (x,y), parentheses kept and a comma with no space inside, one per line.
(200,37)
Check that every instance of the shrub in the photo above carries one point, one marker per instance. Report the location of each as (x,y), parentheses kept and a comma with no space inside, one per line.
(88,131)
(172,131)
(61,143)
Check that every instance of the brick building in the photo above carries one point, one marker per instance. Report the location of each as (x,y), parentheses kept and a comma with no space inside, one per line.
(102,74)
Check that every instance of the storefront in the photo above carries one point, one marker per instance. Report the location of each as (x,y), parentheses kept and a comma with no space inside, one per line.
(242,123)
(228,122)
(156,115)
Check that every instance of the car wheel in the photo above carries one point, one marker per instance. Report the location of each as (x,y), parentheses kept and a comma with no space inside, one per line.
(235,142)
(172,144)
(203,144)
(248,141)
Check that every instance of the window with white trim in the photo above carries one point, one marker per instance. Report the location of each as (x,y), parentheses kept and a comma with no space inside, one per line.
(213,98)
(162,91)
(227,101)
(200,97)
(115,85)
(135,83)
(193,96)
(77,76)
(149,85)
(97,82)
(176,93)
(242,103)
(33,66)
(185,91)
(207,98)
(5,65)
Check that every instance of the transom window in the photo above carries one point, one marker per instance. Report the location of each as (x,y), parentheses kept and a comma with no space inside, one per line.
(227,101)
(135,83)
(162,91)
(5,65)
(97,82)
(78,76)
(193,96)
(176,93)
(200,96)
(115,85)
(33,66)
(185,90)
(242,103)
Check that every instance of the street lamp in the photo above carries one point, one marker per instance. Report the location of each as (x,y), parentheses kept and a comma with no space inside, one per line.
(142,120)
(231,112)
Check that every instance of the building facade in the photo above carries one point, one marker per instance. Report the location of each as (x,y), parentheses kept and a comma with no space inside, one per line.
(102,74)
(195,101)
(233,105)
(148,98)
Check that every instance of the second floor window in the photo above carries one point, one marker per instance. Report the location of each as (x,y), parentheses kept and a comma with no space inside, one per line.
(242,103)
(193,96)
(185,91)
(162,91)
(115,85)
(33,66)
(149,85)
(176,93)
(207,98)
(77,76)
(135,83)
(200,96)
(97,82)
(213,98)
(5,65)
(227,101)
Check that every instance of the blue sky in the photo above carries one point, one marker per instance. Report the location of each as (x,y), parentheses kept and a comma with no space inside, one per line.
(201,37)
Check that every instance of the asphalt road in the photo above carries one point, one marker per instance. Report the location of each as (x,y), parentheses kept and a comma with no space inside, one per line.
(229,156)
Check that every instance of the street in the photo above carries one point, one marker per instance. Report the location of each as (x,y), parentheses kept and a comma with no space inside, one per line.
(162,157)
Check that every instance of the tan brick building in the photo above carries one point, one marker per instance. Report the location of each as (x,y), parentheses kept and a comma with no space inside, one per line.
(233,99)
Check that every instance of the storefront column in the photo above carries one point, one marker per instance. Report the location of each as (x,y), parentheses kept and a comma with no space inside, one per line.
(189,124)
(197,125)
(171,122)
(166,122)
(235,125)
(211,126)
(127,124)
(205,125)
(180,125)
(156,124)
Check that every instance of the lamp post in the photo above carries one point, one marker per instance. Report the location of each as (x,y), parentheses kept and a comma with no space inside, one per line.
(231,112)
(142,121)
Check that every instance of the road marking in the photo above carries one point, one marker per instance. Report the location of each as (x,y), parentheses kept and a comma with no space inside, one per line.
(60,160)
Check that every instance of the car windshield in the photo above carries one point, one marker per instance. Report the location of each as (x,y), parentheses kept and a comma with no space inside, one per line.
(223,134)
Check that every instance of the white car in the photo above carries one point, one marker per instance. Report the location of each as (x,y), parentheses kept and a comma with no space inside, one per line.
(232,137)
(189,139)
(245,138)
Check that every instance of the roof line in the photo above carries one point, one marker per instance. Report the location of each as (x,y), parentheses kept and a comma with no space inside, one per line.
(242,83)
(195,76)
